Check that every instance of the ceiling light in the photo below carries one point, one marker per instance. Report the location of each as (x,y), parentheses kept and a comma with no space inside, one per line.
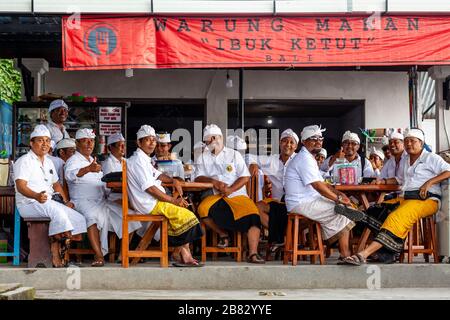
(129,73)
(229,83)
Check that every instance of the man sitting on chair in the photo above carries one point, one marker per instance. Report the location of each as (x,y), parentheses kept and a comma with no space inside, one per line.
(230,208)
(307,193)
(36,181)
(88,193)
(147,196)
(421,177)
(273,210)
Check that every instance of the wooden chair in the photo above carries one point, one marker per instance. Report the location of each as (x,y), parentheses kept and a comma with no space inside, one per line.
(292,250)
(237,248)
(88,251)
(158,222)
(422,239)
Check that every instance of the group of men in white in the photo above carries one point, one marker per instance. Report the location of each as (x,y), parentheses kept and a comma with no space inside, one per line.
(296,182)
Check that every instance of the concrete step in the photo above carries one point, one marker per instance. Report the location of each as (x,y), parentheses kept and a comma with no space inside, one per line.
(233,276)
(262,295)
(15,291)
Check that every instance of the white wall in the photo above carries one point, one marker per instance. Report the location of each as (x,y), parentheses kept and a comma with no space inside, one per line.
(385,93)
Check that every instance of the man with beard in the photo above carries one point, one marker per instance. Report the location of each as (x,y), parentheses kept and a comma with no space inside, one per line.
(58,112)
(307,193)
(273,211)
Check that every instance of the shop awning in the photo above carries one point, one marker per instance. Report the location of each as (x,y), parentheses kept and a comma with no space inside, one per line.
(99,42)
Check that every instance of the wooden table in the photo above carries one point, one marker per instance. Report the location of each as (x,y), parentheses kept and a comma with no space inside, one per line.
(361,191)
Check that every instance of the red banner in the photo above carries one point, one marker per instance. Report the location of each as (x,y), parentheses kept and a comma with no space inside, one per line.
(225,42)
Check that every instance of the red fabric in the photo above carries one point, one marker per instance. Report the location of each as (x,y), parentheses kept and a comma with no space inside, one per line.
(224,42)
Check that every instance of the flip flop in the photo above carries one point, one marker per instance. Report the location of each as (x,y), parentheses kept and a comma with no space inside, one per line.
(355,260)
(187,265)
(352,214)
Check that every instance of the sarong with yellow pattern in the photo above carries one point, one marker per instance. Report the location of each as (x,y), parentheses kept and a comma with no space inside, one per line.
(398,223)
(236,214)
(184,226)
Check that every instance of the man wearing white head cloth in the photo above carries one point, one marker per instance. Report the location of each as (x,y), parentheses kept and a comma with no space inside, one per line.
(148,196)
(88,193)
(349,151)
(58,112)
(36,182)
(320,158)
(229,209)
(376,158)
(396,162)
(273,210)
(308,194)
(165,160)
(421,193)
(116,147)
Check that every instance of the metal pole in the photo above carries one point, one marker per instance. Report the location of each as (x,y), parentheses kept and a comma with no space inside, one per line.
(241,96)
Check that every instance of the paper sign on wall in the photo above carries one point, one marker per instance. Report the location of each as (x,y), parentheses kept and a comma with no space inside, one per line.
(110,114)
(107,129)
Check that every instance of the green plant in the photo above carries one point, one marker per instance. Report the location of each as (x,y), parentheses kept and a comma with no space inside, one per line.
(10,82)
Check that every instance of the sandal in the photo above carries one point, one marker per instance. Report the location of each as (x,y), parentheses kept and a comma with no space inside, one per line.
(352,214)
(257,260)
(340,261)
(224,242)
(355,260)
(98,263)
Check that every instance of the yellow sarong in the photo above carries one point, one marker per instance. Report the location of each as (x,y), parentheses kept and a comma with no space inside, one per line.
(402,219)
(241,206)
(180,219)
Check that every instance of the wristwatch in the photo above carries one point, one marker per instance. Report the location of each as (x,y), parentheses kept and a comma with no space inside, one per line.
(339,198)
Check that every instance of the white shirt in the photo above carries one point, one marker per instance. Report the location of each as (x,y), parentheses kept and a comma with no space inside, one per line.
(111,164)
(90,186)
(141,175)
(300,173)
(59,166)
(368,169)
(427,166)
(274,168)
(39,176)
(227,166)
(391,168)
(55,132)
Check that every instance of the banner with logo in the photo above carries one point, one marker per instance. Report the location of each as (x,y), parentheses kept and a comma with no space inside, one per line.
(224,42)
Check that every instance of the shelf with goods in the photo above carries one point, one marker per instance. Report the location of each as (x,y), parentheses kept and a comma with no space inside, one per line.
(81,115)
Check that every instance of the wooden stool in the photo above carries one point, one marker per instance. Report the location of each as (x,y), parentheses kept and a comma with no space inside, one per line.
(422,239)
(292,250)
(237,249)
(40,254)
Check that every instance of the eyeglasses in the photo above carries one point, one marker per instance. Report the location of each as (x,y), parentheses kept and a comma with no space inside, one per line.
(315,139)
(350,143)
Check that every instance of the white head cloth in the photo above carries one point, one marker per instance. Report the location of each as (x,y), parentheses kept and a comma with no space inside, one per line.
(236,142)
(289,133)
(55,104)
(65,143)
(351,136)
(415,133)
(396,135)
(377,152)
(211,130)
(84,133)
(163,137)
(311,131)
(145,131)
(116,137)
(323,152)
(40,131)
